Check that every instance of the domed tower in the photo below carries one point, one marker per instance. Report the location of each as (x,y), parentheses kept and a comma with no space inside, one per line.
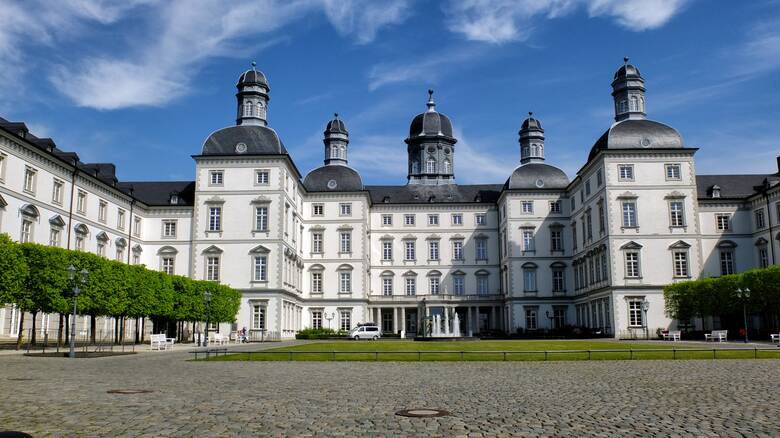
(336,141)
(431,147)
(628,91)
(531,141)
(252,98)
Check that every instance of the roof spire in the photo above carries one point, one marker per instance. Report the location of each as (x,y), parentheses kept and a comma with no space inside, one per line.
(254,64)
(431,104)
(530,113)
(335,115)
(625,60)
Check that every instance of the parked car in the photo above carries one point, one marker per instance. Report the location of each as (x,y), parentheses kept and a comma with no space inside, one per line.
(365,332)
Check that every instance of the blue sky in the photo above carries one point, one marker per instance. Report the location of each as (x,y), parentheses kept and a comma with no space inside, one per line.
(142,83)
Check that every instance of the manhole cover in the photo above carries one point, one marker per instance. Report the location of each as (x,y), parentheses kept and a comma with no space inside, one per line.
(422,413)
(128,391)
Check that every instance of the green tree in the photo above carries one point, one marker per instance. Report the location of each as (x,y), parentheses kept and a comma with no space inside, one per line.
(13,273)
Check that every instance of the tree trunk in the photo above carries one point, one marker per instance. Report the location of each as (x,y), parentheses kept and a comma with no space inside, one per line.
(92,327)
(32,335)
(124,327)
(20,337)
(143,328)
(59,330)
(137,322)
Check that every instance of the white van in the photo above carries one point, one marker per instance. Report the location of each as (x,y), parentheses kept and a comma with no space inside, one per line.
(365,332)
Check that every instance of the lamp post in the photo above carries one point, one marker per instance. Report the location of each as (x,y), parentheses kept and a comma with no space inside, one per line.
(207,299)
(744,295)
(330,318)
(547,314)
(76,291)
(645,308)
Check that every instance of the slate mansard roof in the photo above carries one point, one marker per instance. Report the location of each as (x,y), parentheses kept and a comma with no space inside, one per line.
(537,176)
(733,186)
(441,194)
(637,134)
(256,140)
(333,178)
(158,193)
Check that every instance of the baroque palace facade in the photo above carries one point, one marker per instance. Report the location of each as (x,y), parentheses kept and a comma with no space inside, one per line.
(539,251)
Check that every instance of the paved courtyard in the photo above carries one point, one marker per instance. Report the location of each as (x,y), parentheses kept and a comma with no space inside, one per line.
(610,398)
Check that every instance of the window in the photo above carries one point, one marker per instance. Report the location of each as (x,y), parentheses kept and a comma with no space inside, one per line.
(559,317)
(101,249)
(528,240)
(345,282)
(261,218)
(632,264)
(587,188)
(480,219)
(120,254)
(387,250)
(602,219)
(345,320)
(215,218)
(558,281)
(102,207)
(120,219)
(3,159)
(80,242)
(676,214)
(582,197)
(29,179)
(317,210)
(56,194)
(673,172)
(555,207)
(482,285)
(680,263)
(316,243)
(137,226)
(573,203)
(574,235)
(433,250)
(530,318)
(433,219)
(556,241)
(433,285)
(626,172)
(723,221)
(763,258)
(345,241)
(481,249)
(410,286)
(629,214)
(136,257)
(169,228)
(458,285)
(430,166)
(258,317)
(726,261)
(81,202)
(527,207)
(27,229)
(408,219)
(599,178)
(409,253)
(635,318)
(387,220)
(316,319)
(215,178)
(387,286)
(529,279)
(345,209)
(167,265)
(212,268)
(262,177)
(457,250)
(316,282)
(54,237)
(457,219)
(760,223)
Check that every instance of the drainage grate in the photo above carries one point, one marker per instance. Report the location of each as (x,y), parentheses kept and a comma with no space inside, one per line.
(422,413)
(129,391)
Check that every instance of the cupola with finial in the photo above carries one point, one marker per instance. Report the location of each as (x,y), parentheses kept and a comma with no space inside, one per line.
(531,140)
(628,92)
(431,147)
(336,141)
(252,97)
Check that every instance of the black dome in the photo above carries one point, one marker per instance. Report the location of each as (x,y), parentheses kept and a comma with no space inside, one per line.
(244,140)
(252,77)
(531,124)
(537,176)
(336,126)
(333,178)
(638,134)
(430,123)
(627,71)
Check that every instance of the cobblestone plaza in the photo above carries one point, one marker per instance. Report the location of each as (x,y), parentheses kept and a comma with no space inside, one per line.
(600,398)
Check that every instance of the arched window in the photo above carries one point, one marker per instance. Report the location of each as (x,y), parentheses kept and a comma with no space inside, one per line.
(343,150)
(622,107)
(415,167)
(534,150)
(526,151)
(247,110)
(641,104)
(447,167)
(634,105)
(430,166)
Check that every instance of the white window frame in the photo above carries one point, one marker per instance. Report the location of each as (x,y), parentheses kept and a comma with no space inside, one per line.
(633,263)
(635,313)
(57,190)
(345,282)
(480,219)
(409,220)
(677,213)
(457,250)
(433,250)
(214,218)
(457,219)
(27,229)
(318,210)
(216,178)
(527,207)
(387,220)
(459,284)
(555,207)
(345,209)
(261,218)
(727,261)
(387,286)
(669,171)
(316,282)
(434,285)
(81,202)
(30,180)
(169,228)
(433,220)
(723,216)
(629,218)
(681,263)
(260,268)
(387,250)
(345,242)
(55,237)
(530,281)
(262,177)
(120,219)
(483,285)
(168,264)
(626,172)
(213,266)
(317,242)
(410,250)
(481,249)
(410,286)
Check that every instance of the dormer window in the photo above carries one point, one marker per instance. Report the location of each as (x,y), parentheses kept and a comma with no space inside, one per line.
(174,198)
(715,191)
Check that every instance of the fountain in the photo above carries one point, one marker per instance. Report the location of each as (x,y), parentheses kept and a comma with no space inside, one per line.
(443,327)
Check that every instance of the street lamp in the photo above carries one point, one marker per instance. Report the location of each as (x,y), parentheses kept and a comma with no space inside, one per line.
(547,314)
(330,318)
(76,290)
(744,295)
(207,299)
(645,308)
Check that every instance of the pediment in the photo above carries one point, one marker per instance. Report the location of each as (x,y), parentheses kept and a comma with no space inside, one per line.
(259,249)
(679,245)
(29,210)
(215,200)
(631,245)
(102,236)
(120,243)
(167,250)
(627,195)
(261,200)
(213,249)
(57,221)
(675,195)
(2,202)
(81,229)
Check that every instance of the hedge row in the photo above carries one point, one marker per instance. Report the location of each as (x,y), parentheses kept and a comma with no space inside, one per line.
(718,296)
(35,278)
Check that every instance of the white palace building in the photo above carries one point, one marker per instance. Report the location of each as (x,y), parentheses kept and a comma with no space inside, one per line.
(538,251)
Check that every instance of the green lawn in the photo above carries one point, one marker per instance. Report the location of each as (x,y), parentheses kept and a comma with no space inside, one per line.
(485,351)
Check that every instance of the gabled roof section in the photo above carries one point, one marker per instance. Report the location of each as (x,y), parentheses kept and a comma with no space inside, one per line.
(732,186)
(440,194)
(158,193)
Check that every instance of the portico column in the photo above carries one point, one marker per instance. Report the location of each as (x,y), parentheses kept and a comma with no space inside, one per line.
(395,320)
(403,319)
(492,324)
(446,319)
(468,321)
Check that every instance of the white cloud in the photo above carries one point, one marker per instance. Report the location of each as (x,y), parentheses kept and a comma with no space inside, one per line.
(500,21)
(378,156)
(363,18)
(426,68)
(492,167)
